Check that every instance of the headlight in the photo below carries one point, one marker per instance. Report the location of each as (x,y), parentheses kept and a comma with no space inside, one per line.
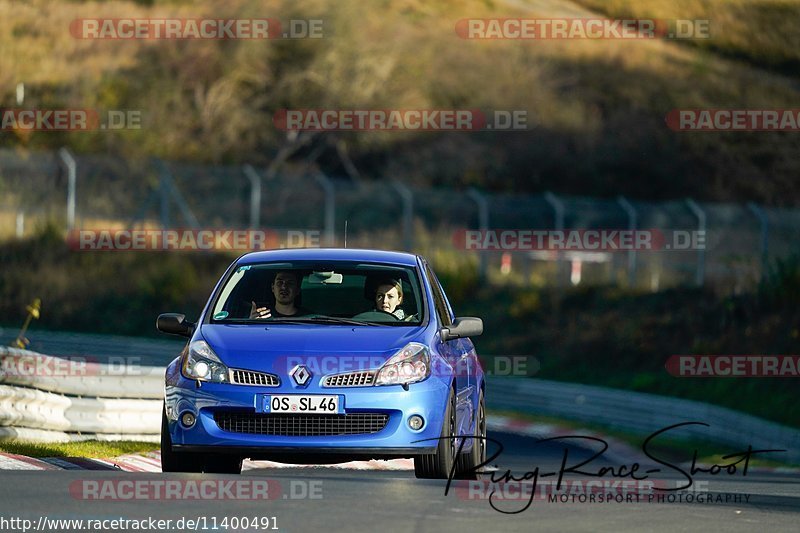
(411,364)
(202,363)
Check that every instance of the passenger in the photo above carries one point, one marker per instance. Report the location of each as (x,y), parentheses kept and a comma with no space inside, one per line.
(285,290)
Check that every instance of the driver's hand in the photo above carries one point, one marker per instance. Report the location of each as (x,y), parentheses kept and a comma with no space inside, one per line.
(259,312)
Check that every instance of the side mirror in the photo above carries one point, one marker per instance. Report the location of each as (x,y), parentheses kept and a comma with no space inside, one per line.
(174,324)
(466,326)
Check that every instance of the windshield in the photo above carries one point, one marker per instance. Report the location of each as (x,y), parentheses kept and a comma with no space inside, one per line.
(332,293)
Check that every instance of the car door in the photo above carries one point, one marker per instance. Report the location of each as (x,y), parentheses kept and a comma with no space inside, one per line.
(457,353)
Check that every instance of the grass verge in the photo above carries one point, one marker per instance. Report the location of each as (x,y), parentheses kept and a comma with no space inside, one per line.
(91,449)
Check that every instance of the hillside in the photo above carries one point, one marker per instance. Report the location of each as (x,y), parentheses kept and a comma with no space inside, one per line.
(596,108)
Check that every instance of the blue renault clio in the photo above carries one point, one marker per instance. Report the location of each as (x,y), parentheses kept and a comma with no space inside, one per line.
(325,356)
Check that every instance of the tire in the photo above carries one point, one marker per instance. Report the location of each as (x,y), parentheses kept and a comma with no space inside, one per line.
(172,461)
(468,462)
(437,465)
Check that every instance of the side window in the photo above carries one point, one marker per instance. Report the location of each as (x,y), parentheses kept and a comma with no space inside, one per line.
(438,298)
(445,300)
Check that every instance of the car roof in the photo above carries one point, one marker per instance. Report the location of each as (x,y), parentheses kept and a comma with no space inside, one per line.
(330,254)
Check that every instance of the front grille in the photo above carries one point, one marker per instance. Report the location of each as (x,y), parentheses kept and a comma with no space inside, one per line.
(248,377)
(301,425)
(351,379)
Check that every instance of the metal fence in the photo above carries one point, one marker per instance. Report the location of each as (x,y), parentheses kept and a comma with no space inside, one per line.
(97,191)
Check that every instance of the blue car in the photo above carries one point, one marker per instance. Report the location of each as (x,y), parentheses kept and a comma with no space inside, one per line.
(325,356)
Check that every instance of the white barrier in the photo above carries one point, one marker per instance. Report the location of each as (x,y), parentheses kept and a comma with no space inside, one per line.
(79,377)
(640,413)
(52,399)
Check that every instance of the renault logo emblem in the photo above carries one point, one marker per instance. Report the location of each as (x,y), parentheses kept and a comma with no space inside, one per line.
(301,375)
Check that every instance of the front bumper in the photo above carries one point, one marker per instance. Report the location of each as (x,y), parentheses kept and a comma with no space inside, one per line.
(426,399)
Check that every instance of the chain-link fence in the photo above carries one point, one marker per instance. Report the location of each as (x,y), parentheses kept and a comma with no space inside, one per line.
(736,244)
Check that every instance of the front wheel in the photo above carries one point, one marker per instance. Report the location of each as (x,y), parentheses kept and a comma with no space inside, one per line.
(467,463)
(172,461)
(438,465)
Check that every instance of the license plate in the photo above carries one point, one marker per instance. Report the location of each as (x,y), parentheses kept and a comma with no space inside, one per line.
(295,403)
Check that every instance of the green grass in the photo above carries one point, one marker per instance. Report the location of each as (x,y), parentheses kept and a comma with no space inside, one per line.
(91,448)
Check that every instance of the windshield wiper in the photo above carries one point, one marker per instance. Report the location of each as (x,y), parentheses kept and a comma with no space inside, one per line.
(324,320)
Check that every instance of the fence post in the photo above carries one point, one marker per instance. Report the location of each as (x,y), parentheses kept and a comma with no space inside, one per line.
(163,189)
(408,214)
(330,206)
(558,212)
(701,253)
(633,220)
(483,226)
(72,172)
(764,223)
(255,196)
(20,224)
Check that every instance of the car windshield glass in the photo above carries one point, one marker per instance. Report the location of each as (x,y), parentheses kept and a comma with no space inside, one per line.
(347,293)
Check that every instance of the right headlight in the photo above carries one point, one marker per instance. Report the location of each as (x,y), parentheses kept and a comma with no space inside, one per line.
(203,364)
(410,364)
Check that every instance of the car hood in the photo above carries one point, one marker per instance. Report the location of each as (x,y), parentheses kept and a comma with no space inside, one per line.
(274,348)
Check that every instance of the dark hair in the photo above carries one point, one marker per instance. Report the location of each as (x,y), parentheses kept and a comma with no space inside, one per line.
(392,283)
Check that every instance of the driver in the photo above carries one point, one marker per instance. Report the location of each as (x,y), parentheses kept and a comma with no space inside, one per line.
(388,296)
(285,289)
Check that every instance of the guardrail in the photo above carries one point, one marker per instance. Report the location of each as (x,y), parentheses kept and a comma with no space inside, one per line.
(640,413)
(46,398)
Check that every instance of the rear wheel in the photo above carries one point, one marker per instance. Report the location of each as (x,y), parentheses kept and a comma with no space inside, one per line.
(437,465)
(468,462)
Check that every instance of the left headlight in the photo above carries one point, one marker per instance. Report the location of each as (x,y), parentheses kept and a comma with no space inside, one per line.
(410,364)
(203,364)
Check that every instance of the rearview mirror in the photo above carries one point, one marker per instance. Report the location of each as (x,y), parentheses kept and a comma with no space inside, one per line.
(174,324)
(328,277)
(466,326)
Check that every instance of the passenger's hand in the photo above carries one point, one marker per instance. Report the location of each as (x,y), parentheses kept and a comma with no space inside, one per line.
(259,312)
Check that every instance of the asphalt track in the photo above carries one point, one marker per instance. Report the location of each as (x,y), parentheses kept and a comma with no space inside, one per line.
(370,501)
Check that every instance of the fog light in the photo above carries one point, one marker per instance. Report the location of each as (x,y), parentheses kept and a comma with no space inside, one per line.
(415,422)
(188,419)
